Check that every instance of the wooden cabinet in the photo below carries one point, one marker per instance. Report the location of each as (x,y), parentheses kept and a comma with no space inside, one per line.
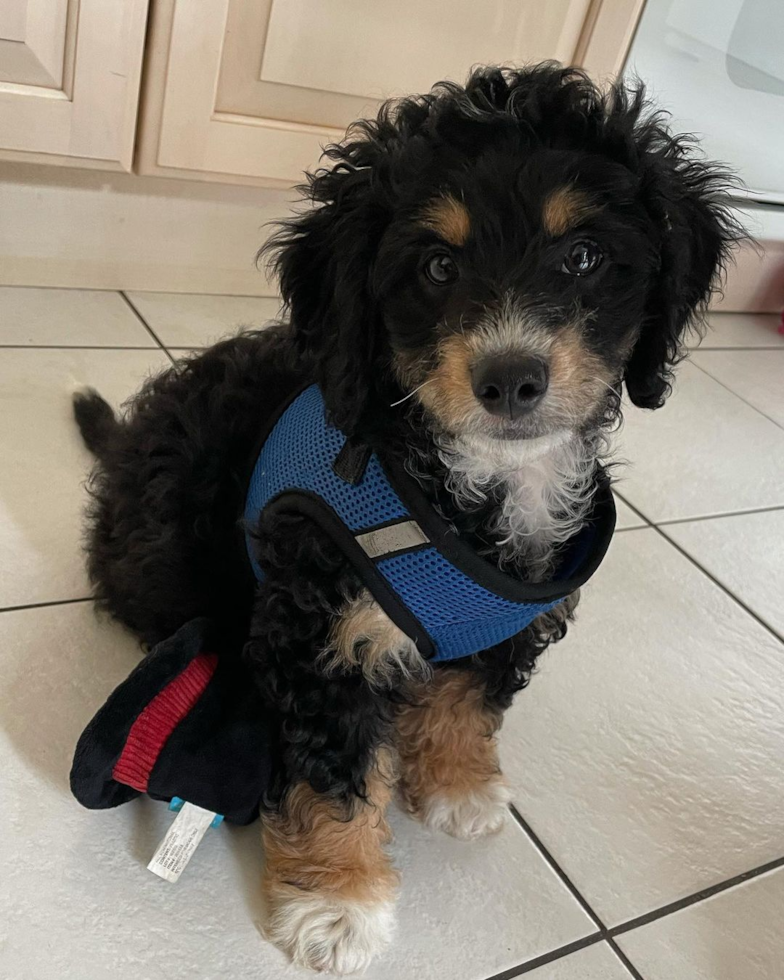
(249,90)
(69,80)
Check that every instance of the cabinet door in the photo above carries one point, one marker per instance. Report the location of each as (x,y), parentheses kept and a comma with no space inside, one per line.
(69,80)
(249,90)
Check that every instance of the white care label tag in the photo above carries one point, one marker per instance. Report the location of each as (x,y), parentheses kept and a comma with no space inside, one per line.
(181,840)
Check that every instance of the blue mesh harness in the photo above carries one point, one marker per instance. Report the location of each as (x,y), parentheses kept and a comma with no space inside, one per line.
(450,601)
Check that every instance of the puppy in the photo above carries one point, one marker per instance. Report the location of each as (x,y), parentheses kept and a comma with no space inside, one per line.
(484,267)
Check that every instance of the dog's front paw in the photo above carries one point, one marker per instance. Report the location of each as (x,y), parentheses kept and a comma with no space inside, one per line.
(327,933)
(478,813)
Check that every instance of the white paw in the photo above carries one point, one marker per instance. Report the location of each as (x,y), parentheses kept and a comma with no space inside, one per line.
(478,814)
(325,933)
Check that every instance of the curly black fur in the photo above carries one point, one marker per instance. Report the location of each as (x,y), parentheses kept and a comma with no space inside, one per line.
(168,490)
(330,260)
(163,543)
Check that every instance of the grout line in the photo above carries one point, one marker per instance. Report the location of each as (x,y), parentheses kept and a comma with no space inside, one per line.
(190,292)
(43,605)
(715,517)
(146,326)
(720,584)
(637,511)
(545,958)
(558,869)
(695,350)
(735,393)
(701,896)
(631,968)
(74,347)
(152,292)
(661,529)
(609,935)
(602,934)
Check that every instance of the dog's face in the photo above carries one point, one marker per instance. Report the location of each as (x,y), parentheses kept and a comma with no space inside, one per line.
(504,255)
(512,293)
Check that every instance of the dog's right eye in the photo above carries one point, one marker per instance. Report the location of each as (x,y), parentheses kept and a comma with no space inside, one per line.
(441,269)
(583,258)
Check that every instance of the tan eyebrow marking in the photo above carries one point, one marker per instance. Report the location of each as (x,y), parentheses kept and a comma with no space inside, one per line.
(564,208)
(449,218)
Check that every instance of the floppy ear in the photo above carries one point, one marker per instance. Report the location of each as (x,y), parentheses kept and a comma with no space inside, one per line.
(324,259)
(687,200)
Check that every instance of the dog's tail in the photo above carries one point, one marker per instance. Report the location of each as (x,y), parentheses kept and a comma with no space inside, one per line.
(96,420)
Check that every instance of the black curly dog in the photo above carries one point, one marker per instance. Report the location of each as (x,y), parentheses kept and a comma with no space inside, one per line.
(483,268)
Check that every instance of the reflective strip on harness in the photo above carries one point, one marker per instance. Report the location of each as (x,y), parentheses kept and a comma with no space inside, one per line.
(392,539)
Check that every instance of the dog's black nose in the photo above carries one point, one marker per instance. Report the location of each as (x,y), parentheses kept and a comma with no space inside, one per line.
(510,386)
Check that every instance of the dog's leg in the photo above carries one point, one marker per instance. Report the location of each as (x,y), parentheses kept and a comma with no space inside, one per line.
(450,777)
(329,884)
(363,637)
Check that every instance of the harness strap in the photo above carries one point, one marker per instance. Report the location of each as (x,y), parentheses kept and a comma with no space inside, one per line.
(432,583)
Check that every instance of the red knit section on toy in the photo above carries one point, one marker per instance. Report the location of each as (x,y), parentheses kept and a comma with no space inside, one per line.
(151,730)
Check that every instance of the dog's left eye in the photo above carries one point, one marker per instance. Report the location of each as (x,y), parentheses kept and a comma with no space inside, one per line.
(441,269)
(582,259)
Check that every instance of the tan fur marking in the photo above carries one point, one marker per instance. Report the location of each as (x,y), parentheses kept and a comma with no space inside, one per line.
(446,740)
(578,378)
(310,846)
(563,209)
(448,393)
(448,218)
(364,636)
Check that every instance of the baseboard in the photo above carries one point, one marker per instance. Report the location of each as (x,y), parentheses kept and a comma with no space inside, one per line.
(90,230)
(755,281)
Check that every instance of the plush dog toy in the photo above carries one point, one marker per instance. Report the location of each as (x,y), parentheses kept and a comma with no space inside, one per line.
(186,723)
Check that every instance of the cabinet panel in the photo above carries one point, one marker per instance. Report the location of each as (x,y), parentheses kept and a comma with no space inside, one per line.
(33,42)
(250,90)
(380,49)
(13,17)
(69,80)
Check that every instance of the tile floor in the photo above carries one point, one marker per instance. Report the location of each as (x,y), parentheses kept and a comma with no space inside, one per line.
(646,759)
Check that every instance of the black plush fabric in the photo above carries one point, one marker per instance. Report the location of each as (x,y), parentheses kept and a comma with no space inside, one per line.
(219,756)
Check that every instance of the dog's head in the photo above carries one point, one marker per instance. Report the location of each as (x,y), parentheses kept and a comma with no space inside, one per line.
(506,253)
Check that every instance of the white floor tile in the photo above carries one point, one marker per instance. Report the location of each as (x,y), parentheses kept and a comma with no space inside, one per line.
(188,320)
(736,935)
(705,452)
(69,318)
(742,330)
(625,516)
(594,963)
(756,375)
(45,463)
(746,554)
(467,910)
(646,753)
